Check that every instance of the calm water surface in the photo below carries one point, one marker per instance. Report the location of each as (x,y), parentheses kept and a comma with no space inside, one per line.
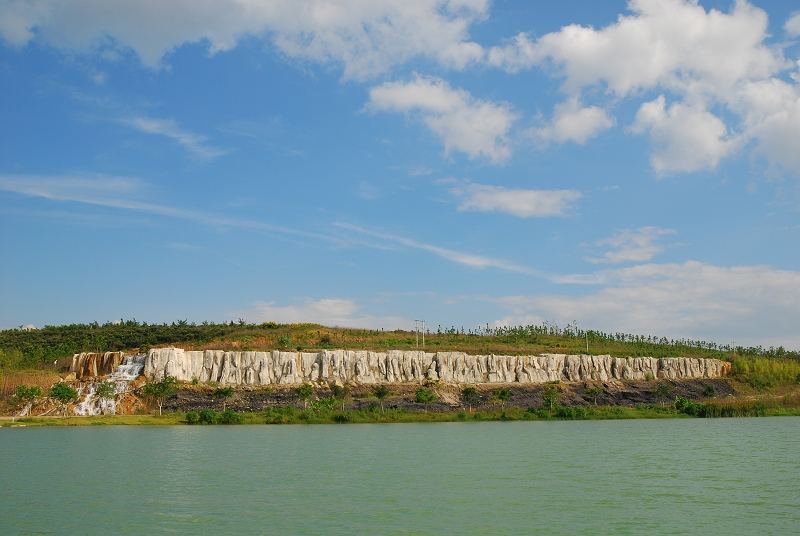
(724,476)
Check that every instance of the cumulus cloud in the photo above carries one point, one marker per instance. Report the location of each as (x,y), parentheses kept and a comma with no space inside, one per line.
(792,26)
(703,58)
(753,304)
(325,311)
(685,137)
(631,245)
(192,142)
(472,126)
(517,202)
(574,122)
(364,37)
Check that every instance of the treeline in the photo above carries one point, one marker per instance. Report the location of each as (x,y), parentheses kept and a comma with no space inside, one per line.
(34,348)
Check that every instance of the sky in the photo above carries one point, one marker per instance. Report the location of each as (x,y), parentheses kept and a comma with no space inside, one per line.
(629,166)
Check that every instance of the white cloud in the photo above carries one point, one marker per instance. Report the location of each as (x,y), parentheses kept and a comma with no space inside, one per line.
(675,43)
(771,112)
(475,127)
(632,245)
(792,26)
(517,202)
(753,304)
(325,311)
(458,257)
(686,137)
(702,58)
(575,123)
(194,143)
(364,36)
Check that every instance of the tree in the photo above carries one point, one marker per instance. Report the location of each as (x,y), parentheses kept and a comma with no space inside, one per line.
(225,393)
(340,394)
(160,390)
(304,392)
(551,396)
(663,391)
(593,392)
(381,392)
(470,396)
(63,393)
(106,391)
(425,396)
(25,396)
(502,396)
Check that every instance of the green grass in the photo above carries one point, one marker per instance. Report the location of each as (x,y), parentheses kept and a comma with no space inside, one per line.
(291,415)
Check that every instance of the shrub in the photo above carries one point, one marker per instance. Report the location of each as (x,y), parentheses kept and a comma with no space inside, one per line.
(63,393)
(708,390)
(230,417)
(341,418)
(208,416)
(381,392)
(284,341)
(192,417)
(304,392)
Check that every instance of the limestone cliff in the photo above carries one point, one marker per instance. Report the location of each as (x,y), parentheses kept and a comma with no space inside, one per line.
(398,366)
(92,364)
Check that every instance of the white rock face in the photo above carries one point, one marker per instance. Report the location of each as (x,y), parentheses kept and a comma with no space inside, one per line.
(401,366)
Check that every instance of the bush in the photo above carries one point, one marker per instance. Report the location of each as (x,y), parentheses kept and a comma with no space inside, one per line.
(341,418)
(230,417)
(192,417)
(208,416)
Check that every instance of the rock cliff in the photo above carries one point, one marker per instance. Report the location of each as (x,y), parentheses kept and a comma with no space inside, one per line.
(92,364)
(398,366)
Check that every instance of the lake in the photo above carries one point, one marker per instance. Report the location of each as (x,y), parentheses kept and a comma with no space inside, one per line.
(675,476)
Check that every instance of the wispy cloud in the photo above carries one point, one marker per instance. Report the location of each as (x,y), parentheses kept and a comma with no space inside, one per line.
(517,202)
(196,144)
(459,257)
(115,192)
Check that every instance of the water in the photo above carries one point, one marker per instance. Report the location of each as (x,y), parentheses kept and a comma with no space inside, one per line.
(131,368)
(681,476)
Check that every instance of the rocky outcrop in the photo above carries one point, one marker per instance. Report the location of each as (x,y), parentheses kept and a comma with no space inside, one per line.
(398,366)
(93,364)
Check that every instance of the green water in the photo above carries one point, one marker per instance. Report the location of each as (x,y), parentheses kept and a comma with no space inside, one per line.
(681,476)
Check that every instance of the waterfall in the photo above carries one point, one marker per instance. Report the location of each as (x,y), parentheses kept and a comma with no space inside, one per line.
(131,368)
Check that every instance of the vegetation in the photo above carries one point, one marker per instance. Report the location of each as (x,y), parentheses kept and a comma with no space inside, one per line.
(381,392)
(663,391)
(304,392)
(551,396)
(764,373)
(593,392)
(470,396)
(502,396)
(159,391)
(21,349)
(64,394)
(224,393)
(106,391)
(293,415)
(425,396)
(26,395)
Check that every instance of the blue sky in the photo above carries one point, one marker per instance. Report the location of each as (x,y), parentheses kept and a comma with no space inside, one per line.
(629,166)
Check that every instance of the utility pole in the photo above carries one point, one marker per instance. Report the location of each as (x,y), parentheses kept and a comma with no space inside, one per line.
(587,342)
(420,324)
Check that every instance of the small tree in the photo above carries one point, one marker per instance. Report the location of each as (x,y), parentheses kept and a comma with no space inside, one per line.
(63,393)
(26,395)
(502,396)
(470,396)
(551,396)
(304,392)
(425,396)
(224,393)
(340,393)
(663,392)
(381,392)
(593,392)
(106,391)
(161,390)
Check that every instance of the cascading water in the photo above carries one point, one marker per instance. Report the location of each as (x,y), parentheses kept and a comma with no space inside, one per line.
(131,368)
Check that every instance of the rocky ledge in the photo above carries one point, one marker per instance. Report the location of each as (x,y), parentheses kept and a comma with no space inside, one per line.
(399,366)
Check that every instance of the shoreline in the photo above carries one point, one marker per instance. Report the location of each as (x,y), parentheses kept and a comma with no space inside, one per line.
(284,416)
